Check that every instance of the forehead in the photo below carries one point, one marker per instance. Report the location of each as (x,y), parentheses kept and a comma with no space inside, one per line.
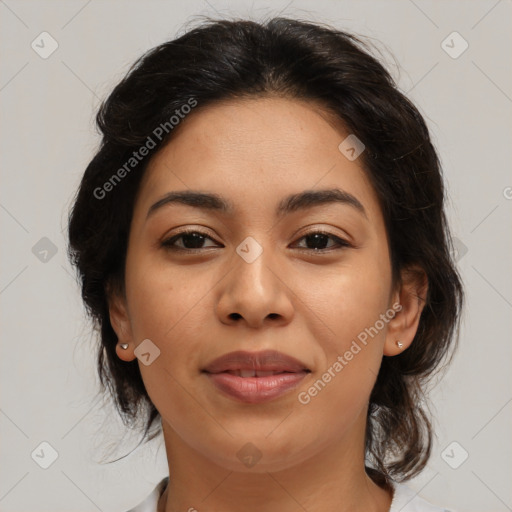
(256,149)
(287,129)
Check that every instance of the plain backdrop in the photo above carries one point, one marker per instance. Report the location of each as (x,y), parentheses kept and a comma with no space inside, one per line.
(47,361)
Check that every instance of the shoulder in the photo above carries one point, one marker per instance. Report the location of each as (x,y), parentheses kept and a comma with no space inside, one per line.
(151,502)
(406,499)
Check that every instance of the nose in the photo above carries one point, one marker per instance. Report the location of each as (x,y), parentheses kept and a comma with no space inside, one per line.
(255,292)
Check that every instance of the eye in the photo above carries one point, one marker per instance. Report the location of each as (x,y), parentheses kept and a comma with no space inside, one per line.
(318,240)
(193,240)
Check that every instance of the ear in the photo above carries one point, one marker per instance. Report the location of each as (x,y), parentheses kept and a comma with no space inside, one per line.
(120,321)
(411,294)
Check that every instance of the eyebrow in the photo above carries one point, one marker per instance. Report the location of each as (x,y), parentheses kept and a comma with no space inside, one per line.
(290,204)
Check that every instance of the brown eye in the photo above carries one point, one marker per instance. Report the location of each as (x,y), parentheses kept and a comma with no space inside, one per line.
(190,241)
(317,240)
(193,241)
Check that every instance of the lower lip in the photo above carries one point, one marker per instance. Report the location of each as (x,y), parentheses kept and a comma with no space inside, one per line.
(255,390)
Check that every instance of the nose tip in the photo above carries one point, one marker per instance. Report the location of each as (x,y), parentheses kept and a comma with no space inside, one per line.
(252,290)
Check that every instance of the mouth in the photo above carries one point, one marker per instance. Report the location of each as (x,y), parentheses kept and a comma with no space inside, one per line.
(254,373)
(255,377)
(256,364)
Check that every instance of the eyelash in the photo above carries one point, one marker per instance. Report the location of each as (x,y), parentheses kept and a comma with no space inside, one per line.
(168,243)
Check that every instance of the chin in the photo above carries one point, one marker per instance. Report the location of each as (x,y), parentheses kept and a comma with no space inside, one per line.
(261,455)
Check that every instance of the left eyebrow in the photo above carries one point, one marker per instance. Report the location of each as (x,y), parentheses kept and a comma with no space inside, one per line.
(295,202)
(311,198)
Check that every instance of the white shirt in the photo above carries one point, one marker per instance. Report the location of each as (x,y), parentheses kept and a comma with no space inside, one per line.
(404,500)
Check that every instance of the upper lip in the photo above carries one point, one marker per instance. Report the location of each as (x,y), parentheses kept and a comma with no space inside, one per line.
(266,360)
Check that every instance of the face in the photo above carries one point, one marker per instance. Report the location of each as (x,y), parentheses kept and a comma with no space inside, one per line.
(307,280)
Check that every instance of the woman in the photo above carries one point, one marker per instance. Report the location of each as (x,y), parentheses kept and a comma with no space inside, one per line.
(262,243)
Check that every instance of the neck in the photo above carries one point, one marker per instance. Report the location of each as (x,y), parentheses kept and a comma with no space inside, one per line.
(333,479)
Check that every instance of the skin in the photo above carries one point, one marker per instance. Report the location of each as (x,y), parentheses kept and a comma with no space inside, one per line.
(309,305)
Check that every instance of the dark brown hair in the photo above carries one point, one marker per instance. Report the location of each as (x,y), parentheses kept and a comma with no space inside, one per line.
(228,59)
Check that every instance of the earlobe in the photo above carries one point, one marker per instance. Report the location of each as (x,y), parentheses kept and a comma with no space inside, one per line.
(120,321)
(125,351)
(411,296)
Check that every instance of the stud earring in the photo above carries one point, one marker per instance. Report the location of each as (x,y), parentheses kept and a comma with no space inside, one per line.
(124,346)
(399,344)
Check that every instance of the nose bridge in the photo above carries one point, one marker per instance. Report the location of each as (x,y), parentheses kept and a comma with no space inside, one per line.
(252,270)
(254,290)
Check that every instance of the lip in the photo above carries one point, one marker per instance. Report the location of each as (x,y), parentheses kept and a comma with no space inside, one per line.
(265,360)
(224,371)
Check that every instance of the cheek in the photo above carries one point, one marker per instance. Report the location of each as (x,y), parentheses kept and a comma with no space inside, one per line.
(350,297)
(349,306)
(167,306)
(162,296)
(352,354)
(171,306)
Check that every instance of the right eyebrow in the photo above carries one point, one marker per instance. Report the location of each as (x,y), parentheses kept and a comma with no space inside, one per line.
(200,200)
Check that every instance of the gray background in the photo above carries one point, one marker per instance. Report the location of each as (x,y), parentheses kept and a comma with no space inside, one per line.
(47,368)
